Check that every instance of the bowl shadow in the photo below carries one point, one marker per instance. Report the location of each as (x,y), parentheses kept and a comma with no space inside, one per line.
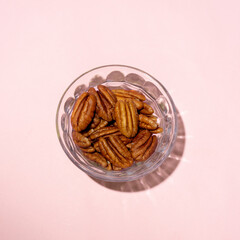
(160,174)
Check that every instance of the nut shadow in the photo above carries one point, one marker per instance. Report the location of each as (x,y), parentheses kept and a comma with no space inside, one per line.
(160,174)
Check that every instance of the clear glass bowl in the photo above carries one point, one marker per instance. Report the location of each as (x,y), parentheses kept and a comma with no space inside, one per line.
(119,76)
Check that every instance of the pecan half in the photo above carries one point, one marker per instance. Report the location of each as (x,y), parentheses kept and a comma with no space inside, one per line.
(143,145)
(102,124)
(103,131)
(147,109)
(150,150)
(108,94)
(137,153)
(158,130)
(138,103)
(96,146)
(124,139)
(114,145)
(77,110)
(88,150)
(97,157)
(83,112)
(116,141)
(95,122)
(115,152)
(140,139)
(153,118)
(126,118)
(105,105)
(129,94)
(146,122)
(80,140)
(109,107)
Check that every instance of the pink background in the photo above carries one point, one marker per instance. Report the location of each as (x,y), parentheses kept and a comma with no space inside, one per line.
(192,47)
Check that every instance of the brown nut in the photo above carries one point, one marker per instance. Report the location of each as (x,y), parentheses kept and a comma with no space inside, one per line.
(141,150)
(124,139)
(96,146)
(140,139)
(80,140)
(88,150)
(103,107)
(103,131)
(115,151)
(158,130)
(114,124)
(105,102)
(108,94)
(149,151)
(147,109)
(138,103)
(109,166)
(109,107)
(95,122)
(146,122)
(128,145)
(77,110)
(153,118)
(88,133)
(143,145)
(83,112)
(97,157)
(112,134)
(102,124)
(129,94)
(126,118)
(116,168)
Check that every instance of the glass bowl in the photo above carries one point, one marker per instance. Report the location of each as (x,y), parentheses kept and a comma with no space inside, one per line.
(119,76)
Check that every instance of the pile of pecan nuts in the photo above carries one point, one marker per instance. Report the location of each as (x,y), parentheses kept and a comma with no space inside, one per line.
(114,127)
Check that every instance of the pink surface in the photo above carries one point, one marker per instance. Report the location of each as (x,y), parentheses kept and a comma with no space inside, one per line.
(192,47)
